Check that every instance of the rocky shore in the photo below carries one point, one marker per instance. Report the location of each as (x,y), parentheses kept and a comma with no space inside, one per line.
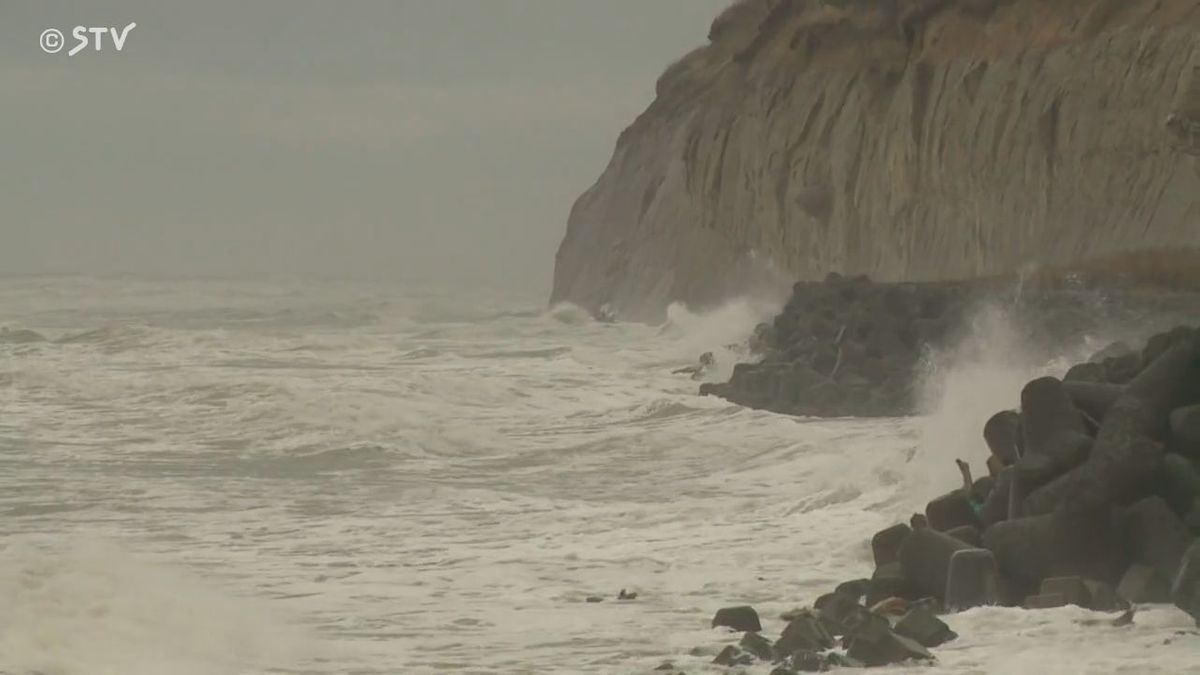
(1091,497)
(853,347)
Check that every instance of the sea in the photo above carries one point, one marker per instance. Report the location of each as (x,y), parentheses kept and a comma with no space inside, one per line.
(207,477)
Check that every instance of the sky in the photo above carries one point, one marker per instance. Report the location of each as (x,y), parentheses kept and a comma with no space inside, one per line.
(395,141)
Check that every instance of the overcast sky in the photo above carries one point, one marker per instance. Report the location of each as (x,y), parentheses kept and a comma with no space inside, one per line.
(391,140)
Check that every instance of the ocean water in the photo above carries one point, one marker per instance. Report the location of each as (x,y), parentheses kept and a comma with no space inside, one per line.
(208,478)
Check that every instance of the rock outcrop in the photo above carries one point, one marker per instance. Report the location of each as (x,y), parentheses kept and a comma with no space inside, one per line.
(910,140)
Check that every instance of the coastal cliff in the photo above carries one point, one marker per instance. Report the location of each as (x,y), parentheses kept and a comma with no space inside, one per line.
(910,140)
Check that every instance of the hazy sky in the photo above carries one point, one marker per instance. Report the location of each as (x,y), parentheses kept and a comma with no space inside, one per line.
(400,139)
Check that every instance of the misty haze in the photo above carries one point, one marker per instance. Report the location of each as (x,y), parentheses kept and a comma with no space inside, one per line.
(599,336)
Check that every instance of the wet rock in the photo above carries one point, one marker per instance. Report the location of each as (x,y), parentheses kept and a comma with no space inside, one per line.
(732,656)
(1178,481)
(1093,399)
(595,598)
(925,559)
(885,545)
(1072,590)
(1171,381)
(808,662)
(1029,550)
(805,632)
(742,618)
(981,489)
(626,595)
(1141,584)
(1002,433)
(854,589)
(1086,372)
(951,510)
(918,521)
(1049,418)
(921,625)
(665,665)
(890,581)
(1185,430)
(1157,537)
(1045,601)
(1103,596)
(1185,590)
(837,612)
(1120,469)
(879,645)
(1122,369)
(759,646)
(973,579)
(967,534)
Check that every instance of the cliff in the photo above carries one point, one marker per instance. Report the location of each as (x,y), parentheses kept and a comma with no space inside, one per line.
(910,140)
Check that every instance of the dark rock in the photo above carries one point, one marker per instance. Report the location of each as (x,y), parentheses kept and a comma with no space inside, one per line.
(1185,590)
(1157,537)
(995,508)
(1103,596)
(878,645)
(1034,471)
(1093,399)
(921,625)
(732,656)
(1049,601)
(1141,584)
(783,670)
(925,559)
(1122,369)
(808,662)
(1171,381)
(967,534)
(1185,430)
(950,510)
(626,595)
(981,489)
(854,589)
(836,660)
(805,632)
(759,646)
(1049,419)
(994,466)
(972,580)
(889,581)
(595,598)
(1126,618)
(1029,550)
(1086,372)
(1178,481)
(918,521)
(1072,589)
(1002,433)
(837,612)
(665,665)
(1120,469)
(885,545)
(742,618)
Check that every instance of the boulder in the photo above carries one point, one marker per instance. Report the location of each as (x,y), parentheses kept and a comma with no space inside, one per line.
(1170,382)
(885,545)
(742,618)
(731,656)
(1086,372)
(837,612)
(1185,430)
(1142,584)
(759,646)
(890,581)
(1119,470)
(1157,537)
(806,632)
(1072,589)
(1185,590)
(925,559)
(921,625)
(1045,601)
(1093,399)
(1049,419)
(951,510)
(1122,369)
(879,645)
(1031,549)
(967,534)
(1178,481)
(1103,596)
(973,579)
(854,589)
(1002,433)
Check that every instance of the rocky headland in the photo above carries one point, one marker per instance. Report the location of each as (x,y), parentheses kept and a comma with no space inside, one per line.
(908,140)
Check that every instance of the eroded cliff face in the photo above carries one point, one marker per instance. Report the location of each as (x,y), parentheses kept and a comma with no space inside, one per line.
(908,140)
